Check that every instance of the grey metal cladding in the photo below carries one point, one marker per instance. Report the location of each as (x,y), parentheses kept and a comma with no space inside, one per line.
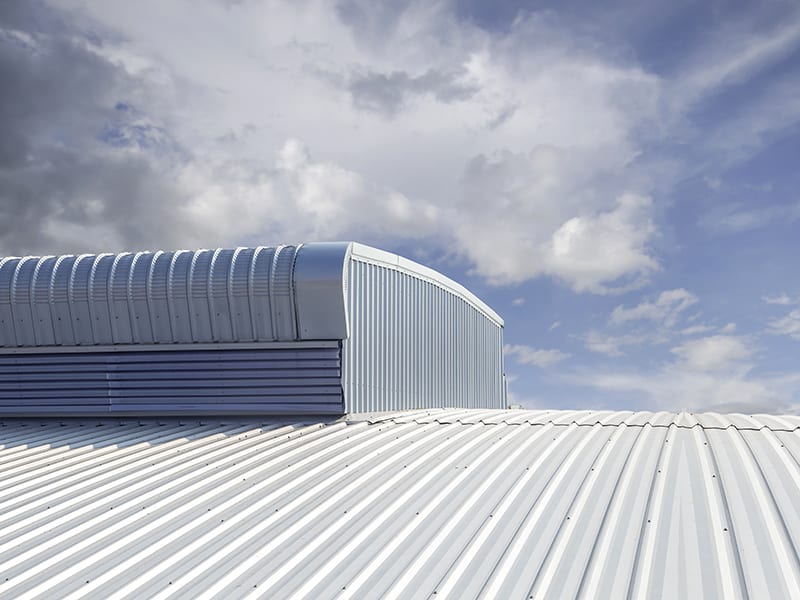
(417,339)
(298,378)
(262,294)
(320,290)
(411,337)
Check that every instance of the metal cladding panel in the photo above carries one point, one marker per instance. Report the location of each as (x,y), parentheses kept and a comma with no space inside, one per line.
(451,504)
(43,328)
(297,378)
(22,313)
(418,342)
(321,290)
(263,294)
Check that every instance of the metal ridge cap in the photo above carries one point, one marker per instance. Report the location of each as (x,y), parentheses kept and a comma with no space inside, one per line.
(670,419)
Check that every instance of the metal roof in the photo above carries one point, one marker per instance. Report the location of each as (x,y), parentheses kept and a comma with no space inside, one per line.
(451,503)
(260,294)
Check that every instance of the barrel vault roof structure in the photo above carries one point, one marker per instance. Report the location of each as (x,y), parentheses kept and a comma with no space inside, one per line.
(417,504)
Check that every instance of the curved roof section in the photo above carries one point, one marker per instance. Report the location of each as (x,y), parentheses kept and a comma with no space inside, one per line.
(451,503)
(262,294)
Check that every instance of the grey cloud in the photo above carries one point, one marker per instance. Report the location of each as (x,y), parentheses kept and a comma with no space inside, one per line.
(369,21)
(71,203)
(389,93)
(71,176)
(502,116)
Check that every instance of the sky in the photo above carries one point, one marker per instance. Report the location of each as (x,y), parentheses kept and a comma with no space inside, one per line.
(618,180)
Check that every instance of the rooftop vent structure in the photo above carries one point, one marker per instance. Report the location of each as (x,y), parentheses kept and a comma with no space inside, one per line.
(320,328)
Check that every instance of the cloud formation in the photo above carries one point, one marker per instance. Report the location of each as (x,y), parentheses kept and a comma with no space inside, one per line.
(537,357)
(787,325)
(666,309)
(489,153)
(713,353)
(388,93)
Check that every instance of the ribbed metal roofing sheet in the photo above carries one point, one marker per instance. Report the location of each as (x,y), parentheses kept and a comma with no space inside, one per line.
(260,294)
(451,503)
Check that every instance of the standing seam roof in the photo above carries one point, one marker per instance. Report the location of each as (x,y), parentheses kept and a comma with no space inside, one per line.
(444,503)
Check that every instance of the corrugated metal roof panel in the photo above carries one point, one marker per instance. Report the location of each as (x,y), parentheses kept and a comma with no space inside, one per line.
(451,503)
(261,294)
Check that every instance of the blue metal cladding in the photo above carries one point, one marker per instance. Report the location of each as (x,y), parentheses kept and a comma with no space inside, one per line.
(418,342)
(304,377)
(409,337)
(204,296)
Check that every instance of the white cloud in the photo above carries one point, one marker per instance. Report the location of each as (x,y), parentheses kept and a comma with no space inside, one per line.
(713,353)
(663,313)
(554,325)
(673,388)
(518,301)
(544,188)
(604,251)
(697,329)
(731,218)
(734,54)
(593,252)
(781,299)
(709,374)
(526,355)
(419,123)
(665,310)
(293,198)
(787,325)
(612,345)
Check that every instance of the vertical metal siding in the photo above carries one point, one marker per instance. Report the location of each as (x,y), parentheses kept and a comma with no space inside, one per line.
(290,378)
(416,344)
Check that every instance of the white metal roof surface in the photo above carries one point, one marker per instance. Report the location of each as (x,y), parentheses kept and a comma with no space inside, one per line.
(451,503)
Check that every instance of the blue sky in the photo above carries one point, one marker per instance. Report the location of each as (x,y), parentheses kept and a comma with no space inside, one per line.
(618,180)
